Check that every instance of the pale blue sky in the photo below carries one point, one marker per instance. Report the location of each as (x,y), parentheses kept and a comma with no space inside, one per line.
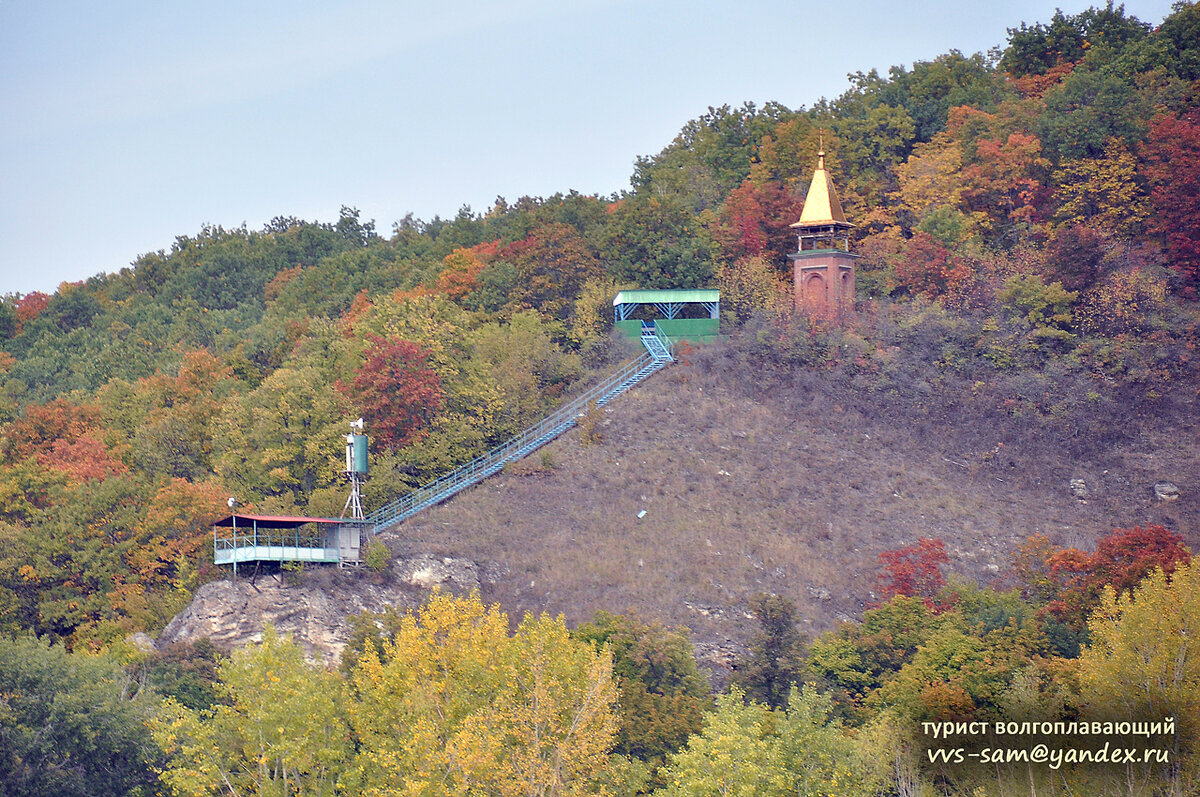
(124,124)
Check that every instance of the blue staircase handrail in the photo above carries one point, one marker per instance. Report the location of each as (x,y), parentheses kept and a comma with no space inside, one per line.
(658,354)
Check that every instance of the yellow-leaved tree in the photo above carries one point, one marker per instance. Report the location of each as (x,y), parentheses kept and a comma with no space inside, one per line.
(1143,664)
(278,731)
(454,704)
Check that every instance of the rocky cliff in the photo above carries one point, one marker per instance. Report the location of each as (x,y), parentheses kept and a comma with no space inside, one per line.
(314,608)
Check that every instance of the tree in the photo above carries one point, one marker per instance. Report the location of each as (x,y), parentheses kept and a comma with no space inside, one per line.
(1046,309)
(455,703)
(279,729)
(71,724)
(931,178)
(709,158)
(755,221)
(522,362)
(655,242)
(736,754)
(776,660)
(752,750)
(283,438)
(552,264)
(460,273)
(1172,167)
(1003,183)
(928,269)
(749,285)
(914,570)
(1121,560)
(1086,110)
(873,134)
(1143,664)
(1074,256)
(661,694)
(397,391)
(1101,191)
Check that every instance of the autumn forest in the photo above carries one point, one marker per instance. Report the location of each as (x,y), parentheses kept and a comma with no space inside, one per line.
(1028,230)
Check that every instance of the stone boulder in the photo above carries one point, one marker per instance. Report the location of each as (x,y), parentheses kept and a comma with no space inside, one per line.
(1166,491)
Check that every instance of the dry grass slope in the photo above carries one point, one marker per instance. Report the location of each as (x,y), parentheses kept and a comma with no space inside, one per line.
(785,483)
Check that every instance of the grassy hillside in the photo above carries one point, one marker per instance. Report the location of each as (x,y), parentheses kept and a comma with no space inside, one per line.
(793,481)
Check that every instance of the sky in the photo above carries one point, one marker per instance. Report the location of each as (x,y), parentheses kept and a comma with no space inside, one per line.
(126,124)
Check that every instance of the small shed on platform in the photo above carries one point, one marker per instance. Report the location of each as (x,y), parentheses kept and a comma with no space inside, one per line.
(692,315)
(238,539)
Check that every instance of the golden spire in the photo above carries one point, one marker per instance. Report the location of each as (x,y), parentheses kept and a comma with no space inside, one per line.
(822,206)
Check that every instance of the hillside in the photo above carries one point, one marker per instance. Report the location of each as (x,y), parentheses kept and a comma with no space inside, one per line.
(789,482)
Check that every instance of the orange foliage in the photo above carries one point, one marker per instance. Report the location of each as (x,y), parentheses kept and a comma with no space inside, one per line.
(273,288)
(1007,176)
(177,524)
(82,459)
(358,307)
(1035,86)
(460,270)
(30,306)
(42,424)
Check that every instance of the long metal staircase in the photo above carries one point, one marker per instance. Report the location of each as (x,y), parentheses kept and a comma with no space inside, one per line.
(658,354)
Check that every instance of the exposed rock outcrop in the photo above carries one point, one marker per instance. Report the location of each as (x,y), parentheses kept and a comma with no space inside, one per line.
(233,613)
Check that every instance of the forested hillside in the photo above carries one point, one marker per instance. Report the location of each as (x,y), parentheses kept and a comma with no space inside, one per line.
(1029,230)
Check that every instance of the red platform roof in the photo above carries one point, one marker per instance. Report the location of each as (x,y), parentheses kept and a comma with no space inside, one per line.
(282,521)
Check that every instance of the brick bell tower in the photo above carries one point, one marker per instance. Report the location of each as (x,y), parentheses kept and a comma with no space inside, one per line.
(822,266)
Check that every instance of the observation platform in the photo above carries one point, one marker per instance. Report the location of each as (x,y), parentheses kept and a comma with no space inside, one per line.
(241,539)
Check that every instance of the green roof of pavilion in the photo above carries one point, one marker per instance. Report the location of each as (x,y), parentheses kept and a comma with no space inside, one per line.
(657,297)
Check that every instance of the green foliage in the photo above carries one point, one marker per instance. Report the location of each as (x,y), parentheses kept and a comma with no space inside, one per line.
(378,556)
(1045,308)
(71,724)
(710,157)
(661,694)
(856,659)
(776,661)
(655,242)
(1086,111)
(279,730)
(748,749)
(186,672)
(872,136)
(931,88)
(276,441)
(1034,49)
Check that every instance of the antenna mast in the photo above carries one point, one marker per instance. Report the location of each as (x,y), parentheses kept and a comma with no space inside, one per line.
(356,469)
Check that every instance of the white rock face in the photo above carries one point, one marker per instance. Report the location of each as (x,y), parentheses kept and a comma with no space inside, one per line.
(428,571)
(233,613)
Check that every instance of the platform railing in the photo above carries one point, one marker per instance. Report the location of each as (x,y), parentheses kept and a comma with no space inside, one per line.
(658,354)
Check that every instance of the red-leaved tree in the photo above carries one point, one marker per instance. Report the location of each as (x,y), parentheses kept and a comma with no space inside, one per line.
(913,571)
(1121,560)
(397,390)
(755,221)
(926,268)
(1171,164)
